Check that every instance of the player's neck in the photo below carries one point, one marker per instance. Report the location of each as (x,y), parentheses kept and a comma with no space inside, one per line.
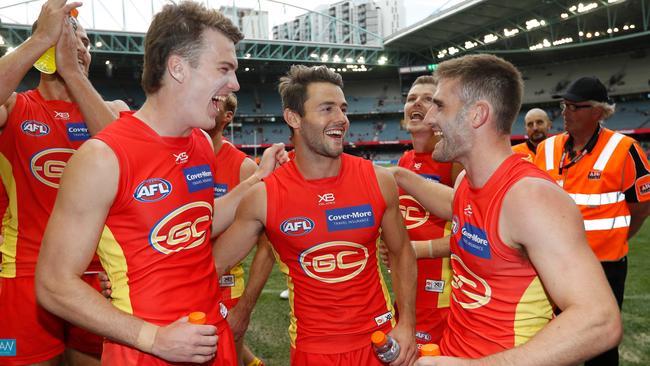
(52,87)
(217,141)
(484,159)
(423,142)
(162,117)
(314,166)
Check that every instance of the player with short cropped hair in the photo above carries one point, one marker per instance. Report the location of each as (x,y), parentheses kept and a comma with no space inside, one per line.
(505,260)
(322,212)
(143,188)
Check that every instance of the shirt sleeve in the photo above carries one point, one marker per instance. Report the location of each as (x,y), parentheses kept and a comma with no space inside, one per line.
(637,180)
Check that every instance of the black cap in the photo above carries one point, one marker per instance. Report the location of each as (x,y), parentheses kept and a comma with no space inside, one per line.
(584,89)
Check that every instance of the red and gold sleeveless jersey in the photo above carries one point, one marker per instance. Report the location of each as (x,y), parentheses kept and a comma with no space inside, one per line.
(229,161)
(38,139)
(324,234)
(434,286)
(498,301)
(156,246)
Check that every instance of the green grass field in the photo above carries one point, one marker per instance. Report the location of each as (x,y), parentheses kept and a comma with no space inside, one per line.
(268,337)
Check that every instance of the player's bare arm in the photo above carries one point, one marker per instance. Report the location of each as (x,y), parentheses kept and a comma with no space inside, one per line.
(434,197)
(69,243)
(556,244)
(260,269)
(403,267)
(97,113)
(232,246)
(225,206)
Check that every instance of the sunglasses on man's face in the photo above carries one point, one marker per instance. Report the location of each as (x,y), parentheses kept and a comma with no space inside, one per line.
(573,107)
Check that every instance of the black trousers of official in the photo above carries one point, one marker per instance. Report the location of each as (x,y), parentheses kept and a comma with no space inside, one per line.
(616,273)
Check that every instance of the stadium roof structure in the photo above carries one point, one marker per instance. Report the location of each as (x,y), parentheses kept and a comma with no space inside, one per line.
(525,29)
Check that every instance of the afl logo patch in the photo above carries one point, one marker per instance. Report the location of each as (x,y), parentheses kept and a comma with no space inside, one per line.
(297,226)
(34,128)
(152,190)
(454,225)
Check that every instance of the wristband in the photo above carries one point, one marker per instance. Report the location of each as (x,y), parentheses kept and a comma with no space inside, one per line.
(146,337)
(430,249)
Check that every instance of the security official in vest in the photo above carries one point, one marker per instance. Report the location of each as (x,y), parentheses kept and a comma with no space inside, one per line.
(607,175)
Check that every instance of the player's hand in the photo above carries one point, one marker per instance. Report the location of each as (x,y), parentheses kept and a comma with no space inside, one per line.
(105,285)
(383,254)
(66,51)
(238,319)
(53,16)
(405,337)
(441,361)
(181,341)
(273,157)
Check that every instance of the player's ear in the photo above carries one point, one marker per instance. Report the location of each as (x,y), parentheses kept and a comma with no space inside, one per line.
(480,113)
(292,118)
(176,68)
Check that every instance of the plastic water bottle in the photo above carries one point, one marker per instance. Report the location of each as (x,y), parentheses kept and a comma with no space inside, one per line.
(47,62)
(429,350)
(386,348)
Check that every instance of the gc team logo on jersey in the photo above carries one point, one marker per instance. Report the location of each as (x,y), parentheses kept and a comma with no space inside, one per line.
(472,291)
(184,228)
(152,190)
(297,226)
(414,214)
(34,128)
(335,261)
(47,165)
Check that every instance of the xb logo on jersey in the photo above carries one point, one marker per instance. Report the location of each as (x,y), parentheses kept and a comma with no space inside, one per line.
(414,214)
(326,199)
(47,165)
(473,291)
(184,228)
(335,261)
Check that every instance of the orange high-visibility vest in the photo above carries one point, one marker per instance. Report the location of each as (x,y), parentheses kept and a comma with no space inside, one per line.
(596,183)
(525,148)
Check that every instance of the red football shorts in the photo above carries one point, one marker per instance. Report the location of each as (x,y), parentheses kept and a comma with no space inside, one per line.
(116,354)
(363,356)
(36,334)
